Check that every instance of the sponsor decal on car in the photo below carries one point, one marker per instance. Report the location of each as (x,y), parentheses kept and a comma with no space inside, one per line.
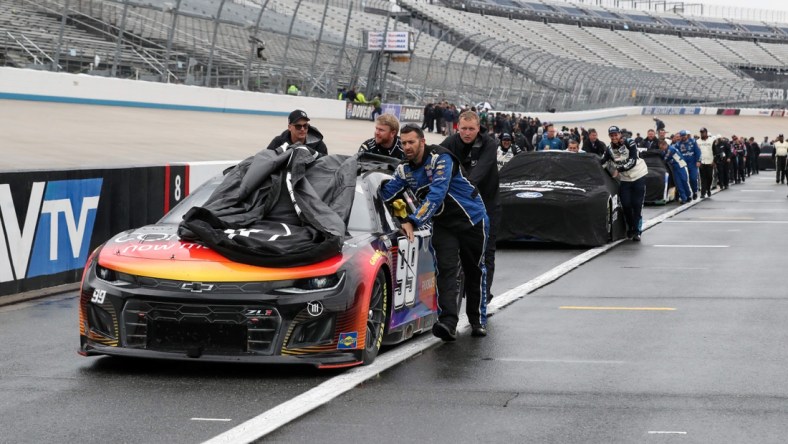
(314,308)
(529,195)
(540,186)
(347,340)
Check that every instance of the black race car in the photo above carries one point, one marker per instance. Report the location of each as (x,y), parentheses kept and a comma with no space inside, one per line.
(148,293)
(556,196)
(659,186)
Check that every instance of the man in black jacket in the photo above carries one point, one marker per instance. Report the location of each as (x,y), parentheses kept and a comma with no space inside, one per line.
(477,152)
(593,145)
(650,143)
(299,131)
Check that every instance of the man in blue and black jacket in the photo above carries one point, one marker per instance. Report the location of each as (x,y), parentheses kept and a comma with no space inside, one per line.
(691,153)
(460,227)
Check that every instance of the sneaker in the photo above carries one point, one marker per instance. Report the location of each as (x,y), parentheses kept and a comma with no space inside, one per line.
(636,238)
(694,196)
(443,331)
(479,331)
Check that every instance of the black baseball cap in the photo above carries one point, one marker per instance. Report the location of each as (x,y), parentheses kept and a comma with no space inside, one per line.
(506,136)
(613,129)
(704,130)
(297,115)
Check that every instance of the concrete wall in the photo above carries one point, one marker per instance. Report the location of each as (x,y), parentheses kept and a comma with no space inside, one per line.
(26,84)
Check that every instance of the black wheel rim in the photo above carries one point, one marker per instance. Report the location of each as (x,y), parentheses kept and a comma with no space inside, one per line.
(376,315)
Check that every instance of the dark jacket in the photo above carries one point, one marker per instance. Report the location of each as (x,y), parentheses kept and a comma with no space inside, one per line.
(649,144)
(480,160)
(598,147)
(314,140)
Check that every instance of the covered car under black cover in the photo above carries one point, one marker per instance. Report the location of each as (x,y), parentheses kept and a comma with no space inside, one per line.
(559,197)
(657,180)
(277,210)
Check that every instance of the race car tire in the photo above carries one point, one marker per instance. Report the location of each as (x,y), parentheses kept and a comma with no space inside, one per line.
(376,318)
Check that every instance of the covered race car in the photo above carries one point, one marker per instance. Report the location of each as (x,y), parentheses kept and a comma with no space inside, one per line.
(148,293)
(659,187)
(556,196)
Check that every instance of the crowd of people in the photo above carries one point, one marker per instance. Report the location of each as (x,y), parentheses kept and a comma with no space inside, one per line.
(458,188)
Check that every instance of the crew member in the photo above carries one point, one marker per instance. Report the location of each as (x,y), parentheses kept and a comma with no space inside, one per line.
(622,155)
(650,142)
(722,157)
(551,142)
(689,149)
(706,162)
(592,144)
(780,156)
(299,131)
(386,141)
(460,227)
(477,153)
(678,166)
(507,149)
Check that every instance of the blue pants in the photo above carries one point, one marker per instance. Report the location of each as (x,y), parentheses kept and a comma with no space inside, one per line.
(681,179)
(632,195)
(692,171)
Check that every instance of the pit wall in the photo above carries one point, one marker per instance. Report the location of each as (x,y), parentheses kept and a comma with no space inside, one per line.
(52,220)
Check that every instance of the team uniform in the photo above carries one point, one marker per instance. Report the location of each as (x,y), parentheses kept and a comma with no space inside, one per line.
(370,146)
(632,191)
(691,153)
(505,155)
(678,165)
(460,229)
(739,152)
(706,165)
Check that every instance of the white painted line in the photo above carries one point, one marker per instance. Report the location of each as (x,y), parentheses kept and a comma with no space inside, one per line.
(730,221)
(212,419)
(757,191)
(693,246)
(270,420)
(559,361)
(665,432)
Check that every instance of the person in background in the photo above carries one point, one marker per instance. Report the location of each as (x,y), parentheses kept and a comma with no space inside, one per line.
(691,153)
(705,144)
(299,131)
(650,142)
(678,167)
(780,154)
(459,228)
(507,149)
(573,147)
(593,145)
(722,157)
(739,161)
(622,155)
(376,107)
(386,141)
(551,142)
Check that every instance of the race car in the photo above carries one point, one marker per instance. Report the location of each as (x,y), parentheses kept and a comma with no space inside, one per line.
(659,186)
(148,293)
(557,196)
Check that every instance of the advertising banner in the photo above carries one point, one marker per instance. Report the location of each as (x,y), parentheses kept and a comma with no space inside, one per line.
(405,114)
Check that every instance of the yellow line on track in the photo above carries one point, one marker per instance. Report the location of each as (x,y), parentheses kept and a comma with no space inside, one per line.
(569,307)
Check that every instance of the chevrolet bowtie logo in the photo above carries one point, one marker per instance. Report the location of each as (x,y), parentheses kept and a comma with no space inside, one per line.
(197,287)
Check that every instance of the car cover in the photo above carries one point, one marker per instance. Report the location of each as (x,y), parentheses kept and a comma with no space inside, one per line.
(277,209)
(558,197)
(657,178)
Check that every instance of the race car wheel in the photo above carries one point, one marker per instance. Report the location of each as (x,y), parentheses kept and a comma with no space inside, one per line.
(376,318)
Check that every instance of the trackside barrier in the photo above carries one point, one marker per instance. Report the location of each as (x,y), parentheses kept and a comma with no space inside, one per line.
(52,220)
(405,113)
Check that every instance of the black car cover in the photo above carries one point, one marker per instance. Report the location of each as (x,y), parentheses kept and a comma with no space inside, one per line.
(558,196)
(657,178)
(277,210)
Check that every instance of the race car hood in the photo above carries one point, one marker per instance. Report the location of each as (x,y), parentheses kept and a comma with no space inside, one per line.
(156,251)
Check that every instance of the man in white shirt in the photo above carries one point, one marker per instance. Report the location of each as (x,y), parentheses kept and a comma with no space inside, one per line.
(780,156)
(706,162)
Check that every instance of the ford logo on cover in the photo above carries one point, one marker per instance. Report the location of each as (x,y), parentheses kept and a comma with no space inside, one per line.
(529,195)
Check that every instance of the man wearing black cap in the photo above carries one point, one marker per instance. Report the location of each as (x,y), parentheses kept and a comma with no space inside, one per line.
(705,144)
(622,155)
(781,154)
(507,149)
(299,131)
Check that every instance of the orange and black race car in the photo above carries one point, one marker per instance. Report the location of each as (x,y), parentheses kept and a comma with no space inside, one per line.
(147,293)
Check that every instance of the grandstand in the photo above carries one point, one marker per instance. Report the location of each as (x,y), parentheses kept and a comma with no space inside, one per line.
(517,54)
